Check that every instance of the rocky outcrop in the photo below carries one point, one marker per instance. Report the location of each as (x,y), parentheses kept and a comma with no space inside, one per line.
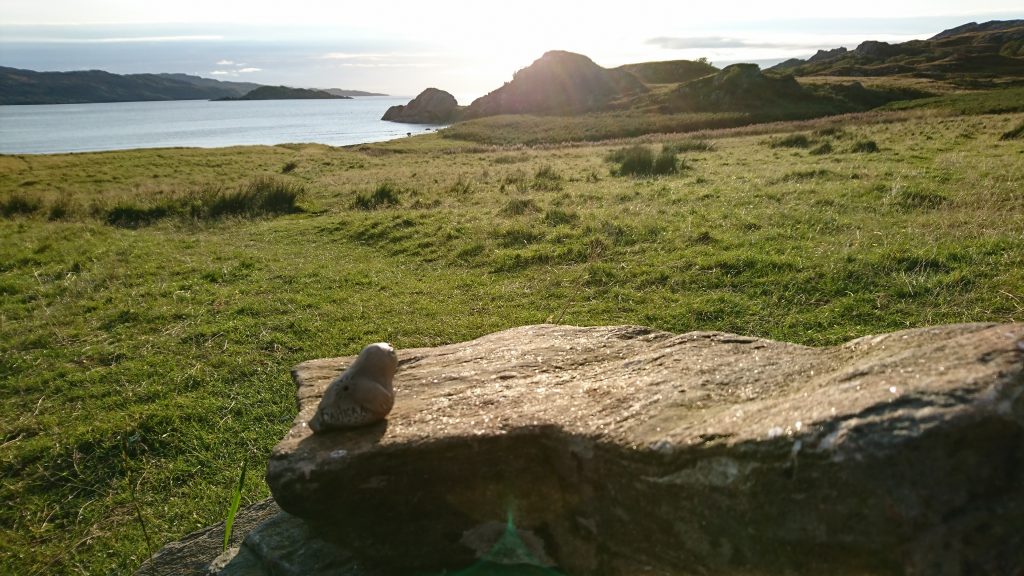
(558,82)
(432,106)
(625,450)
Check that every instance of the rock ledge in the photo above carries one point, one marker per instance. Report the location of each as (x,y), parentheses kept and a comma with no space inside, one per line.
(625,450)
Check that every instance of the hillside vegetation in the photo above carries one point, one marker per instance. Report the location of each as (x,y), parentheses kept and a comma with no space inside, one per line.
(153,301)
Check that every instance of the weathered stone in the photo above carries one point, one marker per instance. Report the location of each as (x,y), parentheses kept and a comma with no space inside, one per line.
(432,106)
(193,554)
(286,546)
(623,448)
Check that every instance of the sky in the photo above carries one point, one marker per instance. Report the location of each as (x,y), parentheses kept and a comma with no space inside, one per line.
(401,47)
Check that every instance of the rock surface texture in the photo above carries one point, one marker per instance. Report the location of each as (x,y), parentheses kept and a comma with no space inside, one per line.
(432,106)
(628,451)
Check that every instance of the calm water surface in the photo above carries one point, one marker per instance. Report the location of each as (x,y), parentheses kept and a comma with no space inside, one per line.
(200,123)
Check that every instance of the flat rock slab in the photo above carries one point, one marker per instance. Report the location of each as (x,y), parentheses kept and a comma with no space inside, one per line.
(192,555)
(625,450)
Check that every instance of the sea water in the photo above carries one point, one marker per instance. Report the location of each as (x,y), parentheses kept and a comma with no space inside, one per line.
(44,129)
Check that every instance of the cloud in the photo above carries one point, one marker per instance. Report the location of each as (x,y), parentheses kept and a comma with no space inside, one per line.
(249,70)
(226,63)
(133,39)
(222,73)
(705,42)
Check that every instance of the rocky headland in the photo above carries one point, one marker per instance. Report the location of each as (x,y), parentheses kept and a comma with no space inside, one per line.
(432,106)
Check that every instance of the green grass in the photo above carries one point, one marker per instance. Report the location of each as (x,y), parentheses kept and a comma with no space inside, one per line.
(140,364)
(1003,101)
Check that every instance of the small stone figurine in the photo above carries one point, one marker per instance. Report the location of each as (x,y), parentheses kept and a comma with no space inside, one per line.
(362,395)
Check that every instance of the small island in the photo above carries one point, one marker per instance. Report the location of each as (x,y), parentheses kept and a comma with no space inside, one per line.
(284,93)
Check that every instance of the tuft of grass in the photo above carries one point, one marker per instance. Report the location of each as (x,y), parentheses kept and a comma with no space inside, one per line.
(20,205)
(790,141)
(666,162)
(640,160)
(913,198)
(558,217)
(289,166)
(1014,133)
(821,149)
(546,179)
(461,187)
(385,195)
(517,180)
(519,207)
(691,145)
(864,146)
(236,500)
(261,196)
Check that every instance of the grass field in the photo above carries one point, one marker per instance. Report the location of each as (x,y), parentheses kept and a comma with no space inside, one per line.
(145,357)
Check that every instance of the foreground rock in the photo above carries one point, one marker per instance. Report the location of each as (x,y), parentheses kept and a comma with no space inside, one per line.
(630,451)
(193,554)
(432,106)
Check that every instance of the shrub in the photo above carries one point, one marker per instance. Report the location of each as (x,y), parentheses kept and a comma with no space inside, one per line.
(867,146)
(289,166)
(1013,133)
(385,195)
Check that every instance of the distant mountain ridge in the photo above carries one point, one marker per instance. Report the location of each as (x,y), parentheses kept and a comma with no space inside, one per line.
(18,86)
(972,50)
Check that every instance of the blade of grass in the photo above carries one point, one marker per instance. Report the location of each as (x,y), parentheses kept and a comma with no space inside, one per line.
(236,499)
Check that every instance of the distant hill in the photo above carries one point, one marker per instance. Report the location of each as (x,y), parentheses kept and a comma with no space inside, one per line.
(19,86)
(30,87)
(557,83)
(972,51)
(286,93)
(352,93)
(239,87)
